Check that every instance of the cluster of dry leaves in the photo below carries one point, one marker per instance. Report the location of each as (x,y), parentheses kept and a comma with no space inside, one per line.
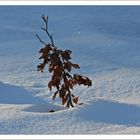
(60,66)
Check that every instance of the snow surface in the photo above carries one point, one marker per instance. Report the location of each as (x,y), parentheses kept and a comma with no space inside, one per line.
(105,42)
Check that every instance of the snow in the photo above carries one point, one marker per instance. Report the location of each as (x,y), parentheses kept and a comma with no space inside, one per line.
(107,112)
(104,41)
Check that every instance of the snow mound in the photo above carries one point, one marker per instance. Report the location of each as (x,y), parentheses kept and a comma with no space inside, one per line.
(105,111)
(11,94)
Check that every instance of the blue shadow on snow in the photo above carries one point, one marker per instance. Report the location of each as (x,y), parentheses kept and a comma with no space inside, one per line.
(111,112)
(11,94)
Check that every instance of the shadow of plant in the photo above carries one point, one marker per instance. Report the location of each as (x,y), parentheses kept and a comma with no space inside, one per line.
(10,94)
(110,112)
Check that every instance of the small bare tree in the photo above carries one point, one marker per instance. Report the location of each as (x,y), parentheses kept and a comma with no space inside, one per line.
(60,66)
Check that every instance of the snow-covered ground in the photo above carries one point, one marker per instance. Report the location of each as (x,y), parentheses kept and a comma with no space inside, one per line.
(105,42)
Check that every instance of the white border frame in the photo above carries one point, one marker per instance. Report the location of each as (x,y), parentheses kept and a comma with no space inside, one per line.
(70,137)
(80,3)
(65,2)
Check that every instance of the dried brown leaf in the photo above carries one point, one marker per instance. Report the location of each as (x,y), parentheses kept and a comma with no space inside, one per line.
(66,55)
(50,84)
(41,67)
(75,99)
(76,66)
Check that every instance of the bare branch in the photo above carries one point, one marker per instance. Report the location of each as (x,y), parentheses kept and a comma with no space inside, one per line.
(40,39)
(45,19)
(70,100)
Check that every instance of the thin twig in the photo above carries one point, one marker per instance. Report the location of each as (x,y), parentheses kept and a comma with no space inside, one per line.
(50,36)
(45,19)
(40,39)
(70,100)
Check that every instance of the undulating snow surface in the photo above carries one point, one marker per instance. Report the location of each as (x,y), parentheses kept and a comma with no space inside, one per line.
(105,42)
